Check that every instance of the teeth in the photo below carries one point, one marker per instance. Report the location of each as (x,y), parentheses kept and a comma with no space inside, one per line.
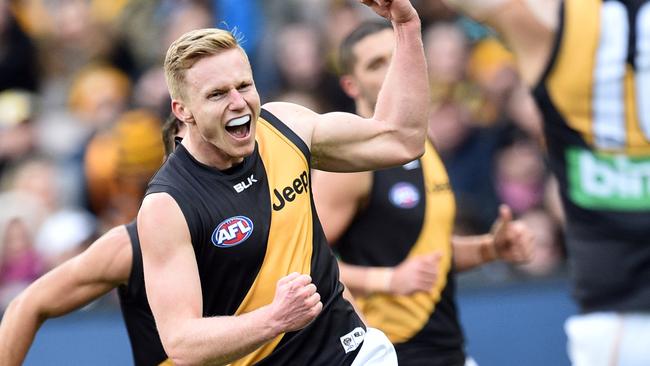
(239,121)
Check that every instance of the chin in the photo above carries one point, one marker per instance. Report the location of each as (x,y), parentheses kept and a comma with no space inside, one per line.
(246,150)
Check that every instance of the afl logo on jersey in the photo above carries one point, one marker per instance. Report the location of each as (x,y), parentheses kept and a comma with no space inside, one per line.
(404,195)
(232,231)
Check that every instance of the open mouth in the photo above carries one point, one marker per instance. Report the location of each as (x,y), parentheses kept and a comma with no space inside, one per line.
(239,127)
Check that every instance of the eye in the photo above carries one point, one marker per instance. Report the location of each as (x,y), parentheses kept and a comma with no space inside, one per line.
(244,86)
(216,94)
(376,64)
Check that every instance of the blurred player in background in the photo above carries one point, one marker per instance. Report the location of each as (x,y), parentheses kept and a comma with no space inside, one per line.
(393,228)
(588,65)
(112,261)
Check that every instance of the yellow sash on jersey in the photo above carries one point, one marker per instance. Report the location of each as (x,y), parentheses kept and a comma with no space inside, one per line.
(289,247)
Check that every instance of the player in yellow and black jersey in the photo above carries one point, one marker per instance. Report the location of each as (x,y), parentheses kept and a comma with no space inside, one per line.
(588,64)
(392,228)
(236,266)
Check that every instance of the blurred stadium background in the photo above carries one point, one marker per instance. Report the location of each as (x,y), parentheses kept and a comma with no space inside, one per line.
(82,97)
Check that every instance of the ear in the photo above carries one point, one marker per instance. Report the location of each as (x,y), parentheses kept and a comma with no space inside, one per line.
(349,86)
(181,111)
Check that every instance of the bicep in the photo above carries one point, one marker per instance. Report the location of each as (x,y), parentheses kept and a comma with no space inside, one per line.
(170,270)
(343,142)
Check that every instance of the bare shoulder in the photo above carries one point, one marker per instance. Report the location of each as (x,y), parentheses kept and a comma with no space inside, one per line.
(299,119)
(157,209)
(161,221)
(354,186)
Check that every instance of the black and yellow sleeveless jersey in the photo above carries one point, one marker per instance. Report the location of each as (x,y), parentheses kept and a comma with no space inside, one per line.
(253,224)
(595,98)
(140,324)
(410,212)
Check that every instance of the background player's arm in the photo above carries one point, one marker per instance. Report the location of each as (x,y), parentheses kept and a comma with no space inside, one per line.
(339,198)
(412,275)
(527,26)
(511,241)
(80,280)
(174,292)
(395,134)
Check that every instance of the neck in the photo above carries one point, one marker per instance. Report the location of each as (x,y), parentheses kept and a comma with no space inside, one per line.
(363,108)
(208,154)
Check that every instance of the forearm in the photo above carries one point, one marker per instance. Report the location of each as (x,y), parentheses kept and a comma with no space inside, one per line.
(472,251)
(365,280)
(17,331)
(193,341)
(405,96)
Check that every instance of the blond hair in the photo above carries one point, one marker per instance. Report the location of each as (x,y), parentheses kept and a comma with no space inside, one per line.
(191,47)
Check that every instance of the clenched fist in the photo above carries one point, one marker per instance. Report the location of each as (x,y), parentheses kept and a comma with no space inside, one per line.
(296,303)
(398,11)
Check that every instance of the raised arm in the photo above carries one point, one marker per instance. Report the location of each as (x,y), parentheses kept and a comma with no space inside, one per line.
(527,26)
(174,293)
(396,132)
(68,287)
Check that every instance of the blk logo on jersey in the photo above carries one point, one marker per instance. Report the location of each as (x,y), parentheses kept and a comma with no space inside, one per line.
(404,195)
(232,231)
(239,187)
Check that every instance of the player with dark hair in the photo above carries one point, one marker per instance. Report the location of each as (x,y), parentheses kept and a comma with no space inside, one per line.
(392,228)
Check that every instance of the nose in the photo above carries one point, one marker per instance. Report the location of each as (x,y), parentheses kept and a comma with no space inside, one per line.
(236,100)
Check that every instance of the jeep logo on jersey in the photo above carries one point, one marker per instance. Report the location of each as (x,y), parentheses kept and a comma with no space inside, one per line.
(289,193)
(232,231)
(404,195)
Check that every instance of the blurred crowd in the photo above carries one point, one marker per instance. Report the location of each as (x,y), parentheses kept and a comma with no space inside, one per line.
(83,96)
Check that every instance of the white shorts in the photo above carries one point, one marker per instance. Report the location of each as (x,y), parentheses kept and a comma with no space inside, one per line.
(376,350)
(608,338)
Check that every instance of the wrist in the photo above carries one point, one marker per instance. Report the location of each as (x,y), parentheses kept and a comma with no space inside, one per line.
(487,249)
(271,327)
(411,22)
(378,279)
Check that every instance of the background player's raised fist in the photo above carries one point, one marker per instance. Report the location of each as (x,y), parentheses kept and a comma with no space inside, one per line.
(398,11)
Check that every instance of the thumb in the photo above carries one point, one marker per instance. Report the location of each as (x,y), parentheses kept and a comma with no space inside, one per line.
(505,214)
